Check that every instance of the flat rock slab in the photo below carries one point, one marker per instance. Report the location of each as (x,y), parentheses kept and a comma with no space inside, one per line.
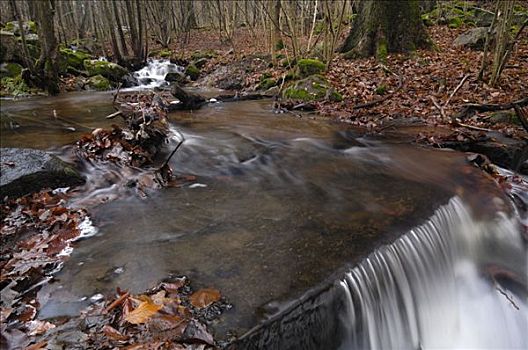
(24,170)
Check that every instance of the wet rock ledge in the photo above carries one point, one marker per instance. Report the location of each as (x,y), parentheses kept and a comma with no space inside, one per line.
(24,170)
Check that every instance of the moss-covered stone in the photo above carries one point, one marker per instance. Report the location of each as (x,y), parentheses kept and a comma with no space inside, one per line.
(196,55)
(163,53)
(266,83)
(11,70)
(73,58)
(30,27)
(455,22)
(13,86)
(309,66)
(312,88)
(99,83)
(192,71)
(109,70)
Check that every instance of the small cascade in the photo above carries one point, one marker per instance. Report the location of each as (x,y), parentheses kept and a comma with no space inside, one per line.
(153,74)
(452,283)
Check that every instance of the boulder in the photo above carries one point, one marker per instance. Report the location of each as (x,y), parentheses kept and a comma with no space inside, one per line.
(99,83)
(26,170)
(201,62)
(129,80)
(8,47)
(11,70)
(192,71)
(109,70)
(309,66)
(473,38)
(313,88)
(176,77)
(74,58)
(187,100)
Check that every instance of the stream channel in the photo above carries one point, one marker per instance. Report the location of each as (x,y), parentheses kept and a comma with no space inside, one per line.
(320,239)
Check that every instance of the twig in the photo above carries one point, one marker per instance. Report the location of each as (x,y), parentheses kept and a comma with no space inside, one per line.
(506,296)
(473,127)
(438,106)
(456,89)
(166,163)
(113,115)
(470,108)
(116,302)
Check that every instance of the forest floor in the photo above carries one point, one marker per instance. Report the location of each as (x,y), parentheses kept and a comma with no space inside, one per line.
(423,95)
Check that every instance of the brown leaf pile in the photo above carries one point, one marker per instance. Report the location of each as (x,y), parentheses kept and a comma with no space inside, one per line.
(138,141)
(36,235)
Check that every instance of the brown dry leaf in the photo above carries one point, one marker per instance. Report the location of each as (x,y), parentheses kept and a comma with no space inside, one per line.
(37,327)
(113,333)
(142,313)
(204,297)
(38,346)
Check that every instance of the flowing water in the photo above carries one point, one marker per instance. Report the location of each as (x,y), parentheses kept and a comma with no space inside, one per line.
(153,74)
(319,238)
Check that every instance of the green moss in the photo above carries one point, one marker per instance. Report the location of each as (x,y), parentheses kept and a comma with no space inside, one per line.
(265,84)
(196,55)
(99,83)
(279,45)
(14,86)
(279,56)
(381,90)
(30,27)
(313,88)
(192,71)
(455,22)
(109,70)
(309,66)
(265,76)
(427,20)
(163,53)
(11,70)
(297,94)
(73,58)
(382,51)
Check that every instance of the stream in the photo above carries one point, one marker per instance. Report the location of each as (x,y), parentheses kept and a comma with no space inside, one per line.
(318,237)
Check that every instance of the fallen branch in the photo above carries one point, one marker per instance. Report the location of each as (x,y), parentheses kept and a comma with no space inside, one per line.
(116,303)
(470,108)
(438,106)
(456,89)
(113,115)
(473,127)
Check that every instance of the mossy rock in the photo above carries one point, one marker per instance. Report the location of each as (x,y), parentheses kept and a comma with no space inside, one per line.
(310,66)
(312,88)
(200,63)
(267,83)
(14,86)
(163,53)
(99,83)
(192,71)
(196,55)
(455,22)
(30,27)
(11,70)
(74,58)
(109,70)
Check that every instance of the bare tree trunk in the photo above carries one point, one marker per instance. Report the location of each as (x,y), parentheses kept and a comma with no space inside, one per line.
(111,31)
(47,67)
(28,61)
(120,28)
(386,26)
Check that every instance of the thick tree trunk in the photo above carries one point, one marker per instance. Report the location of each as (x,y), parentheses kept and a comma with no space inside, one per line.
(382,27)
(47,67)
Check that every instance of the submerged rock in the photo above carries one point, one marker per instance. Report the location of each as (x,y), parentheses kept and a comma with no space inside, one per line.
(26,170)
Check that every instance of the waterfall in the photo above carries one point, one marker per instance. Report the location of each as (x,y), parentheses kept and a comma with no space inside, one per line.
(453,282)
(153,74)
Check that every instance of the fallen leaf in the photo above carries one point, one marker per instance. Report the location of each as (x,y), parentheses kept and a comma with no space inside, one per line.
(204,297)
(142,313)
(113,333)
